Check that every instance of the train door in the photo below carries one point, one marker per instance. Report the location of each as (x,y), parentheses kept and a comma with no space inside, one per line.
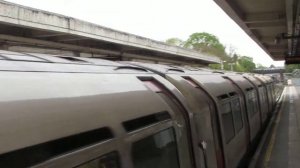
(260,97)
(229,116)
(244,109)
(207,126)
(181,126)
(232,124)
(270,97)
(254,116)
(250,96)
(271,94)
(267,93)
(263,100)
(217,135)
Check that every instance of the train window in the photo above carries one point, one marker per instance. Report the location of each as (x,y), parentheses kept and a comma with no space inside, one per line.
(36,154)
(252,103)
(255,101)
(237,115)
(227,120)
(261,94)
(144,121)
(110,160)
(73,59)
(270,92)
(232,94)
(158,150)
(223,96)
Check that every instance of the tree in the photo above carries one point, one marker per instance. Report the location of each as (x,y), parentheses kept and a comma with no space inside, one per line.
(239,68)
(210,44)
(235,57)
(231,50)
(207,43)
(175,42)
(243,64)
(214,66)
(290,68)
(247,63)
(260,66)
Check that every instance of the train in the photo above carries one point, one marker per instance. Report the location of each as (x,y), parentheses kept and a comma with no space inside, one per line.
(63,111)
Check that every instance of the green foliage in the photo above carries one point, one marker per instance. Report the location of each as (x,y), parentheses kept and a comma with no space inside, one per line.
(246,63)
(239,68)
(214,66)
(175,42)
(290,68)
(206,43)
(209,43)
(243,64)
(260,66)
(235,58)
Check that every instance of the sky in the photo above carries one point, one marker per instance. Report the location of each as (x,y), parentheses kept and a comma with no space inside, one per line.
(159,20)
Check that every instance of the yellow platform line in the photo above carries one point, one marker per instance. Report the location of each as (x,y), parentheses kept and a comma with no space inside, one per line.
(273,136)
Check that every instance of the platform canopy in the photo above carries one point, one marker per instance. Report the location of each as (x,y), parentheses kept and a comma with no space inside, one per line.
(32,30)
(273,24)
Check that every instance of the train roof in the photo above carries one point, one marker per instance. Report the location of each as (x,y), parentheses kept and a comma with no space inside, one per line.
(34,62)
(241,82)
(263,78)
(170,69)
(211,80)
(253,79)
(203,76)
(37,107)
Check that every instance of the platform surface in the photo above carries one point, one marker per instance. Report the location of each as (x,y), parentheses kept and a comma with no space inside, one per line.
(282,148)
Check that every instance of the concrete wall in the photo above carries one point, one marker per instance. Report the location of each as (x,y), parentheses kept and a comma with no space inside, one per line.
(37,19)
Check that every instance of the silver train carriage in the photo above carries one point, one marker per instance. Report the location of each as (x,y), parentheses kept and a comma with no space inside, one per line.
(59,111)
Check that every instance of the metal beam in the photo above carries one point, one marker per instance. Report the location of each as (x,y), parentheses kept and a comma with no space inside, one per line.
(56,45)
(275,48)
(130,49)
(265,17)
(264,25)
(149,58)
(64,38)
(292,60)
(295,42)
(71,39)
(278,58)
(46,35)
(267,39)
(289,5)
(278,53)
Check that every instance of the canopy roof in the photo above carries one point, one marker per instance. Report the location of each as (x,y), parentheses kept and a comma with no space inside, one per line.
(273,24)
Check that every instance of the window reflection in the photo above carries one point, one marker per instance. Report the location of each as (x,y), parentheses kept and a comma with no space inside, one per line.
(110,160)
(156,151)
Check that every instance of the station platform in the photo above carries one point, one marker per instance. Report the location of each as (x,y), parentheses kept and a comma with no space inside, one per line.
(281,148)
